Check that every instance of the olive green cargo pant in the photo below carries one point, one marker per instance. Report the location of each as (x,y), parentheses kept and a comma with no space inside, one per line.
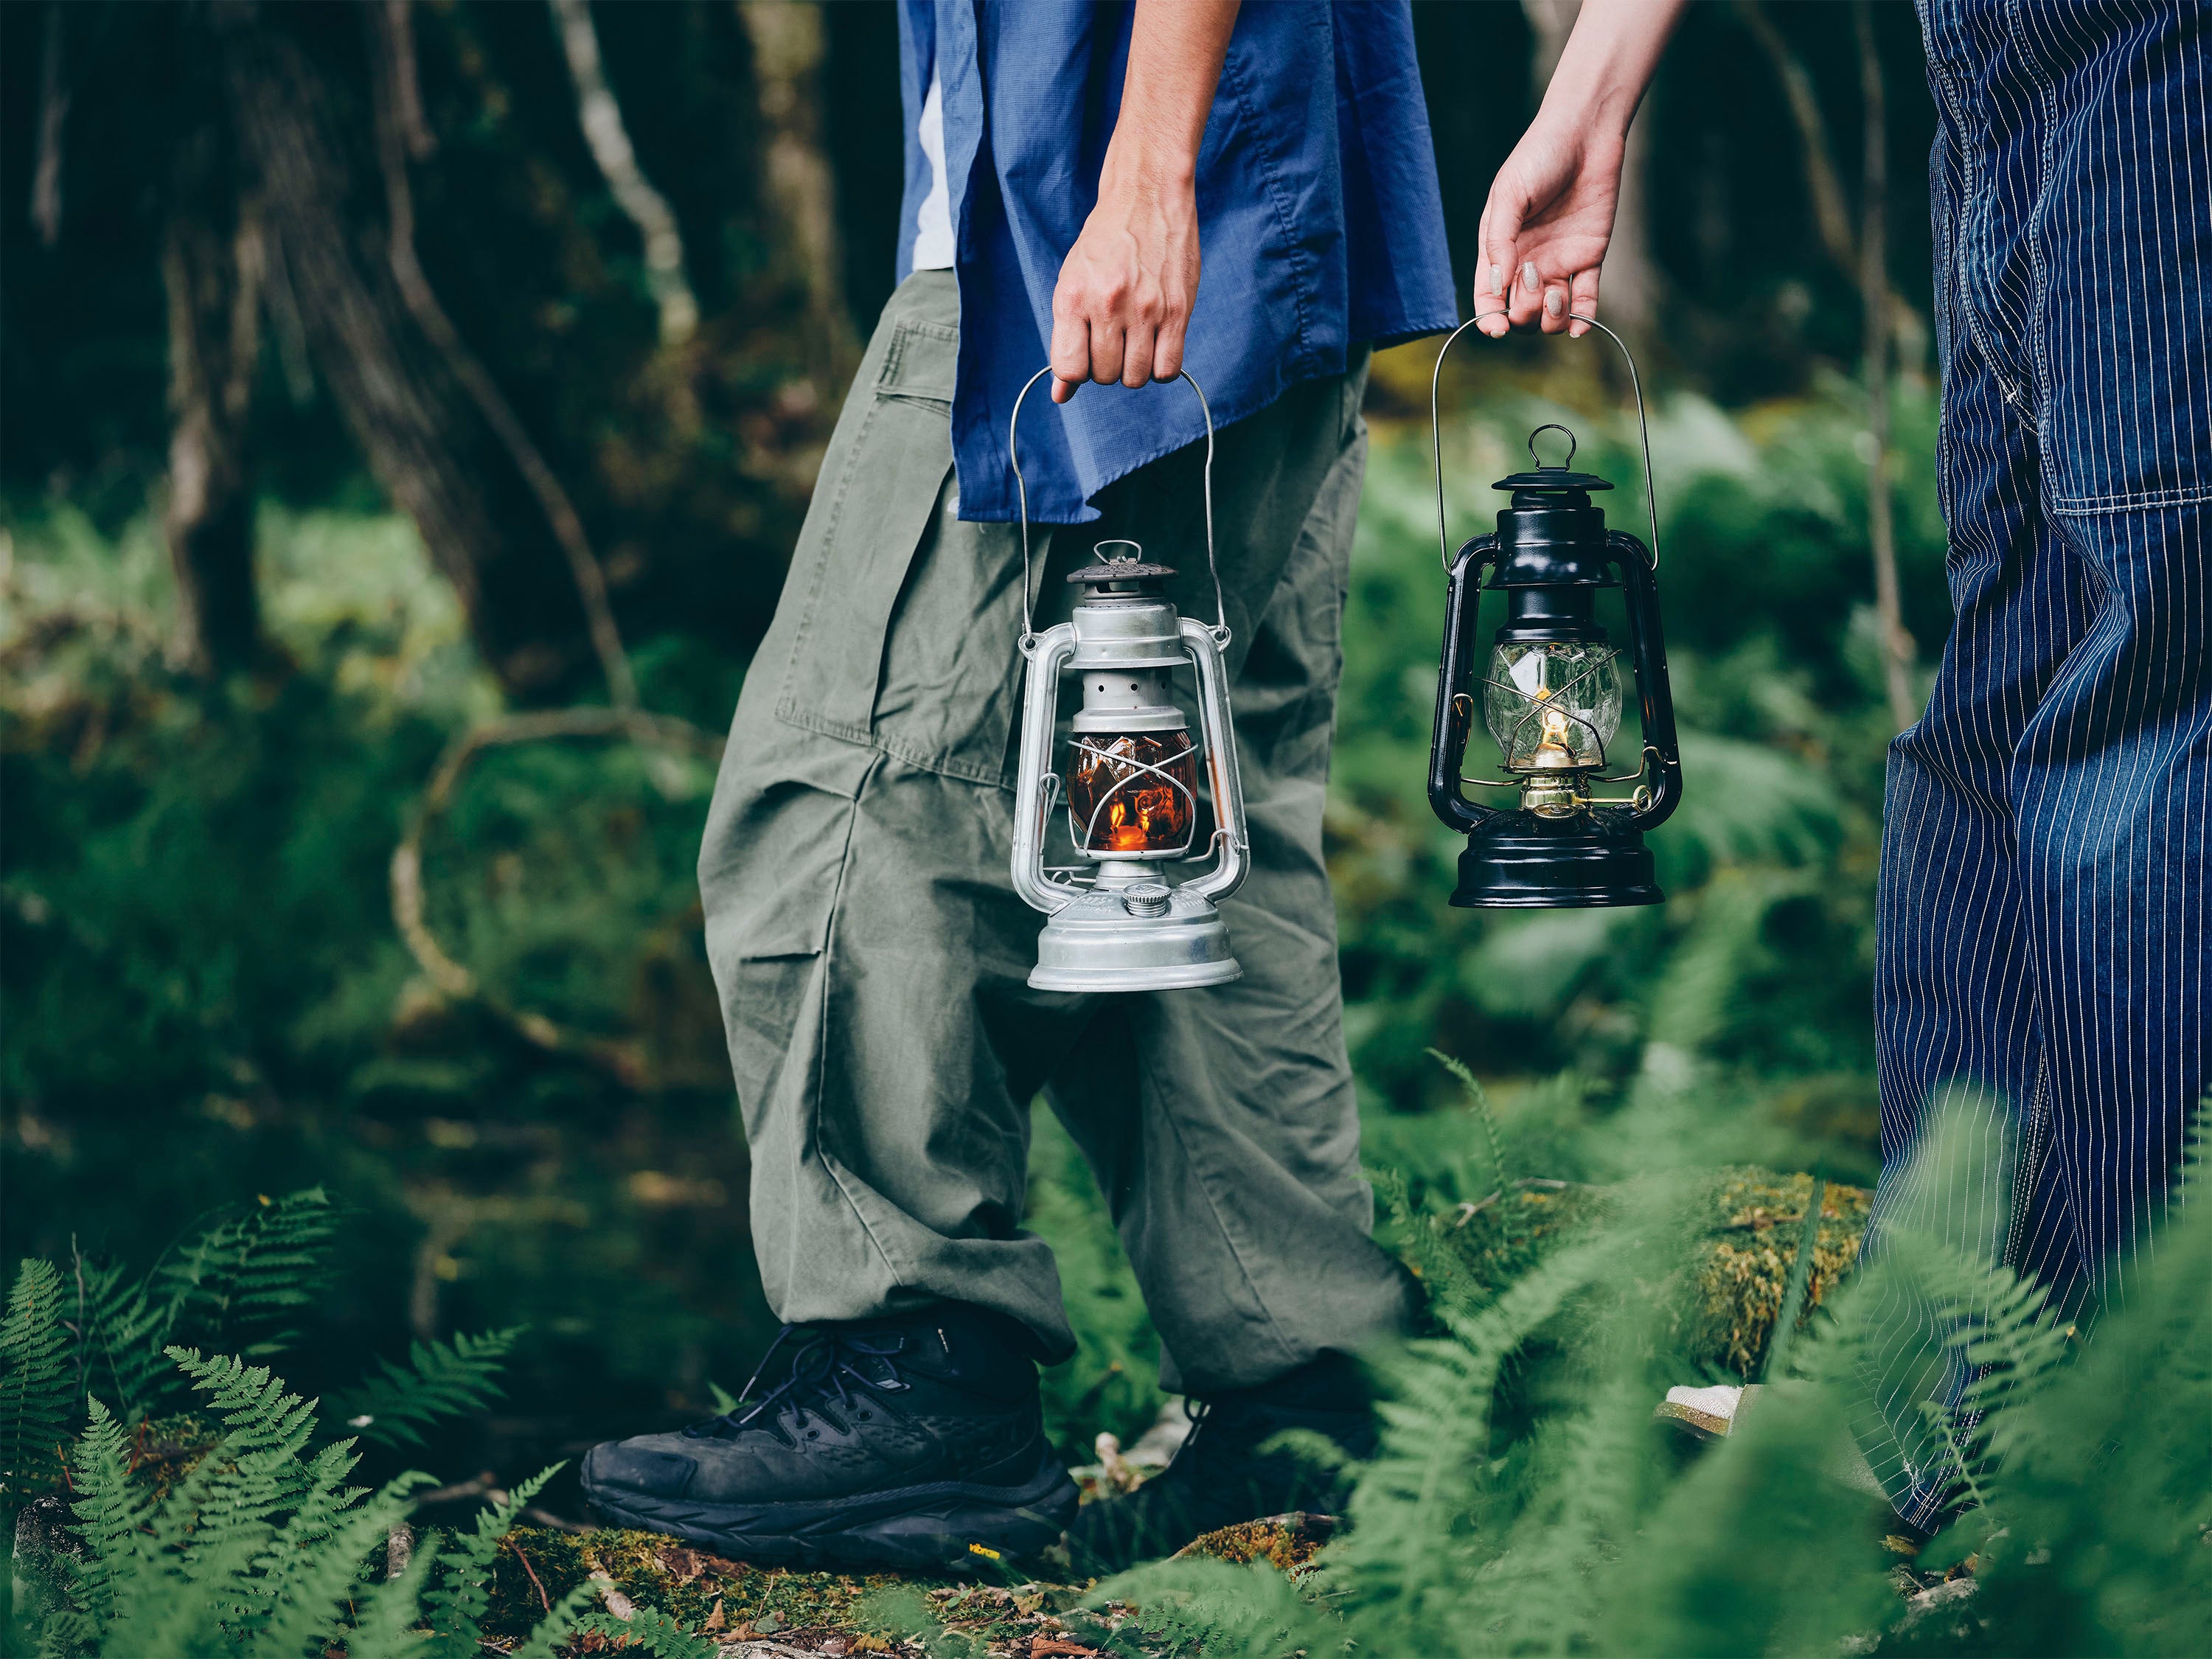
(872,956)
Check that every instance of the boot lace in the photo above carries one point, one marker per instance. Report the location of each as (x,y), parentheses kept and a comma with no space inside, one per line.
(825,1365)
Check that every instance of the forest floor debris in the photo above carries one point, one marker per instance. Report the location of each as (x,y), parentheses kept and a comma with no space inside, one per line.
(769,1613)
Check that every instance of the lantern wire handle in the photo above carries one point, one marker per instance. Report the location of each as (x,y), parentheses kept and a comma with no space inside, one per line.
(1221,629)
(1436,436)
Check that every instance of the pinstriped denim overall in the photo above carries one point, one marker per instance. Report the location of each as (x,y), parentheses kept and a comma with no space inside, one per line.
(2046,903)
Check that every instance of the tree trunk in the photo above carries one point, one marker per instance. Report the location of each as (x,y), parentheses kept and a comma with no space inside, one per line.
(211,269)
(789,45)
(1628,285)
(303,132)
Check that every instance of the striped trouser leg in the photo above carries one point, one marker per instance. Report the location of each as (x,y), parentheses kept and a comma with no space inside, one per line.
(2046,898)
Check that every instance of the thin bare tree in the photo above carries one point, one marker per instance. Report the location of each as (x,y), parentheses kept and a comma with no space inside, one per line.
(609,140)
(1879,341)
(53,115)
(1863,253)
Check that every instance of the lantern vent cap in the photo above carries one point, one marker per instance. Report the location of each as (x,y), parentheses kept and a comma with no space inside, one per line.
(1130,567)
(1551,480)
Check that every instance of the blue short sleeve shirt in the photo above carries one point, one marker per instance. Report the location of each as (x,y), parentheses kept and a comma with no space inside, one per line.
(1320,223)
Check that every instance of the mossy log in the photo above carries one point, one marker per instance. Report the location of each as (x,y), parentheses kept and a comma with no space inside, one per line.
(1743,1270)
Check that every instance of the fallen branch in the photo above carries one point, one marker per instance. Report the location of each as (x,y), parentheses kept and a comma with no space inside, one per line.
(544,1601)
(625,1059)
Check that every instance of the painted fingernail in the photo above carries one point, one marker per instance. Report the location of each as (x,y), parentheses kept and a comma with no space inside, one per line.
(1529,279)
(1498,281)
(1556,303)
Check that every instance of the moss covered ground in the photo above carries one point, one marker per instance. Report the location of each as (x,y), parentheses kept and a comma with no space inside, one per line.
(754,1612)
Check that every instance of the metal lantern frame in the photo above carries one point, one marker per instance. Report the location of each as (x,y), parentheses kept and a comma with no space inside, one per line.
(1573,849)
(1124,928)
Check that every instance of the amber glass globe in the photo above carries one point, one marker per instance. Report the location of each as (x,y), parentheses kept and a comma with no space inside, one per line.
(1132,792)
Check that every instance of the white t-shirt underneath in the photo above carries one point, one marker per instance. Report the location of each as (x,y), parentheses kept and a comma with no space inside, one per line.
(932,226)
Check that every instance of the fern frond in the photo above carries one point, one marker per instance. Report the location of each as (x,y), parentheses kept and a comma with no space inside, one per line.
(1478,1102)
(456,1603)
(388,1624)
(121,1333)
(1539,1593)
(393,1404)
(247,1273)
(651,1631)
(560,1621)
(224,1518)
(38,1385)
(313,1566)
(110,1509)
(1420,1510)
(1197,1605)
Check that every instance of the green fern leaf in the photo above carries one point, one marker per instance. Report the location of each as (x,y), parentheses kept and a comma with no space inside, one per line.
(393,1404)
(561,1620)
(388,1622)
(312,1570)
(120,1334)
(1478,1102)
(248,1273)
(456,1603)
(651,1631)
(37,1384)
(110,1510)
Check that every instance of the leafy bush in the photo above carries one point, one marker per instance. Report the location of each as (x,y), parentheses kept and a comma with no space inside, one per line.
(256,1545)
(1577,1529)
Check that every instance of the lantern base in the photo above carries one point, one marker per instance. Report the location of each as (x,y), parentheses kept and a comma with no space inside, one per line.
(1144,937)
(1574,871)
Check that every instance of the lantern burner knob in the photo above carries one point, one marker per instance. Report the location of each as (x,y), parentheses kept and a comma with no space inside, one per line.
(1146,898)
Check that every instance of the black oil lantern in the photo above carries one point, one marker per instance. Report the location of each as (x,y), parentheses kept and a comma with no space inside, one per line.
(1548,688)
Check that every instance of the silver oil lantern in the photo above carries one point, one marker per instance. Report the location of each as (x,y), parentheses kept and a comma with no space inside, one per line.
(1116,922)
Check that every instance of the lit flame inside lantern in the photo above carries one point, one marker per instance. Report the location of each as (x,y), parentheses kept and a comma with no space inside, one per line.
(1133,792)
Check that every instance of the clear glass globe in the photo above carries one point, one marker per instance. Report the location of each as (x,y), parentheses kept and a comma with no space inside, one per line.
(1553,707)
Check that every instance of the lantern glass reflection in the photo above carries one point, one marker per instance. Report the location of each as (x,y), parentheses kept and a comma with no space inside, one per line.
(1132,793)
(1554,705)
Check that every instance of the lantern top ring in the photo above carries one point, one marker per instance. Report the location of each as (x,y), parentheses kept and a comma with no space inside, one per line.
(1552,426)
(1220,628)
(1437,438)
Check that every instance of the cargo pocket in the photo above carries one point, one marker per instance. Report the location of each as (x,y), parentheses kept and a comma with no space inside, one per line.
(770,877)
(886,496)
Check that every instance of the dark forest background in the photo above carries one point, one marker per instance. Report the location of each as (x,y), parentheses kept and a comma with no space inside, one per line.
(406,413)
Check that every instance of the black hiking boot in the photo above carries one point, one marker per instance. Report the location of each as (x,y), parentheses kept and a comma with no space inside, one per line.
(1221,1477)
(912,1441)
